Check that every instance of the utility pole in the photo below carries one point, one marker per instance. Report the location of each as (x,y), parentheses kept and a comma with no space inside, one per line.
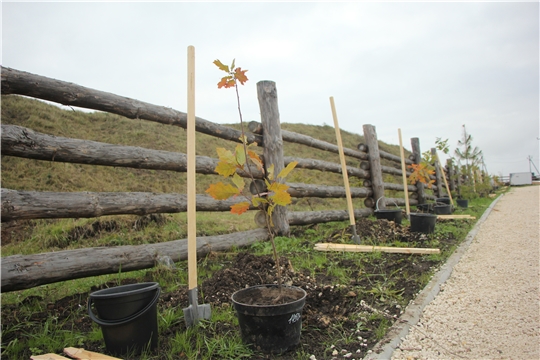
(531,162)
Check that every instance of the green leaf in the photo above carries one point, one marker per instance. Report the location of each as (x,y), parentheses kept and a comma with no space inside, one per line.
(220,65)
(240,155)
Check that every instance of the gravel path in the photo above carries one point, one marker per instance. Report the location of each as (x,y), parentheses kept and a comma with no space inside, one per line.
(489,308)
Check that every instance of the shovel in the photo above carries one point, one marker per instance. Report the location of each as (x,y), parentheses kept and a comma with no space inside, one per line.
(355,236)
(194,311)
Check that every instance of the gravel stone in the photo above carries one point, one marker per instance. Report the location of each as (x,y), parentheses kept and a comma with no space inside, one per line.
(489,307)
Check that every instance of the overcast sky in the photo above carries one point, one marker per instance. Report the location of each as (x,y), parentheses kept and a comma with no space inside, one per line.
(424,67)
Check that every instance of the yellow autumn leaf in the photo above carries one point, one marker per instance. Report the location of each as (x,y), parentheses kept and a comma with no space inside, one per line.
(221,191)
(276,187)
(225,169)
(225,155)
(270,172)
(238,181)
(285,171)
(282,198)
(240,155)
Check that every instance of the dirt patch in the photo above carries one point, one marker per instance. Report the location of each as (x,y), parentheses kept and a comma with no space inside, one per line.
(355,311)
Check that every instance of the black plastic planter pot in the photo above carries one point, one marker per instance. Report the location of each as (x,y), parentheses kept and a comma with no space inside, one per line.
(462,203)
(424,223)
(271,329)
(442,209)
(443,200)
(127,316)
(425,207)
(394,215)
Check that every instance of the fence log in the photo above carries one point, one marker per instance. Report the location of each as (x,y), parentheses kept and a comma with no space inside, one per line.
(273,145)
(392,171)
(296,138)
(399,201)
(398,187)
(23,205)
(41,87)
(19,205)
(321,165)
(377,185)
(300,190)
(26,271)
(392,157)
(315,217)
(26,143)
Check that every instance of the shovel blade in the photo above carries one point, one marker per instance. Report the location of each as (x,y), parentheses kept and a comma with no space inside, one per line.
(194,312)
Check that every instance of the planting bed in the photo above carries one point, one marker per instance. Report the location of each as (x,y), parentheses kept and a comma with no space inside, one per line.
(339,319)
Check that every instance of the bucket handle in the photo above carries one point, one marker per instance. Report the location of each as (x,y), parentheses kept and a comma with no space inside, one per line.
(125,320)
(377,203)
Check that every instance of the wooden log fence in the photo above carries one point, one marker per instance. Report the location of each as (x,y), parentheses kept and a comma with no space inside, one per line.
(25,271)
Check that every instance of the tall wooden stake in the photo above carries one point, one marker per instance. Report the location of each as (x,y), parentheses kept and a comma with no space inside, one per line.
(403,169)
(191,163)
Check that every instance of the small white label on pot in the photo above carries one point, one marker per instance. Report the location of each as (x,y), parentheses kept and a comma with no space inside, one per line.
(294,318)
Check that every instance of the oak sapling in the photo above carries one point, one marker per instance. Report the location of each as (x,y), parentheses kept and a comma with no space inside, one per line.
(242,160)
(422,172)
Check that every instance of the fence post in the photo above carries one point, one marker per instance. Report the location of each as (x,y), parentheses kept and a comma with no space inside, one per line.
(451,177)
(272,144)
(438,175)
(374,158)
(415,145)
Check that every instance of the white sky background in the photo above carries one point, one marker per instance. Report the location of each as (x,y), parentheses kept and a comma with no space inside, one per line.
(424,67)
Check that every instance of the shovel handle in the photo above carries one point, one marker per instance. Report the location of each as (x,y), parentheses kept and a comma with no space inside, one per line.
(191,162)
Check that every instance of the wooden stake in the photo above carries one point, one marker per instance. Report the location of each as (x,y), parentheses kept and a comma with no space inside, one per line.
(343,164)
(48,357)
(369,248)
(81,354)
(455,217)
(191,163)
(403,169)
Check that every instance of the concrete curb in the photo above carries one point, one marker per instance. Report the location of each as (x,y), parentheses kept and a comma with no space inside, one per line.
(384,349)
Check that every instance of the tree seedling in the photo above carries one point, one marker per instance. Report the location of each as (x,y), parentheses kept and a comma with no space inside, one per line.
(242,159)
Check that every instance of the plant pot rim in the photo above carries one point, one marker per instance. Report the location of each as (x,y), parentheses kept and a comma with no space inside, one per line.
(291,287)
(124,290)
(423,214)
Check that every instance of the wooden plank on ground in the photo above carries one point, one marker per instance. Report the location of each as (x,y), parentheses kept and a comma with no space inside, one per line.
(455,217)
(81,354)
(48,357)
(370,248)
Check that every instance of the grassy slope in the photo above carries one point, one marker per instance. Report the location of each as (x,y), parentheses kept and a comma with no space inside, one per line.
(25,174)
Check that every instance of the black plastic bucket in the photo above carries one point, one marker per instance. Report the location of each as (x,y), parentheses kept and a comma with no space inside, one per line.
(428,207)
(424,223)
(394,215)
(443,200)
(442,209)
(134,309)
(464,203)
(271,329)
